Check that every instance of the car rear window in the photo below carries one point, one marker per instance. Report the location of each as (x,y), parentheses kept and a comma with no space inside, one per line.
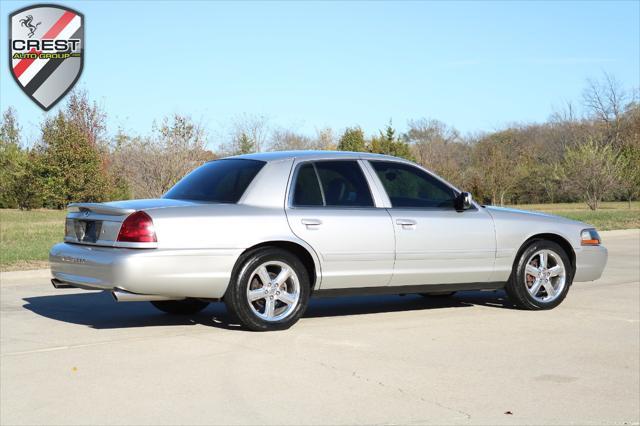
(220,181)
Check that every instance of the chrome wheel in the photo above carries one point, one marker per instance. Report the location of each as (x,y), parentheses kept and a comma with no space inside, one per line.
(273,291)
(545,275)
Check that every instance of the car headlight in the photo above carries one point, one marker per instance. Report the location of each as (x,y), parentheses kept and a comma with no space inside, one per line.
(590,237)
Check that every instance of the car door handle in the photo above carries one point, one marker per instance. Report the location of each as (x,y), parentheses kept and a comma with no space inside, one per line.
(311,223)
(406,223)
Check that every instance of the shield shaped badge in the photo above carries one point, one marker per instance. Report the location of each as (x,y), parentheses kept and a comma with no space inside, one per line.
(46,51)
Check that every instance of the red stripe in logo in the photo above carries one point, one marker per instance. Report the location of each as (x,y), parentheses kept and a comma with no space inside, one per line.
(59,26)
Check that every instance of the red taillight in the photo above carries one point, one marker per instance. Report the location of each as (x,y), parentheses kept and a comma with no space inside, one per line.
(137,228)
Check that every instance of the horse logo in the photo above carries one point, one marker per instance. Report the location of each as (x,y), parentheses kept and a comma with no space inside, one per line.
(27,22)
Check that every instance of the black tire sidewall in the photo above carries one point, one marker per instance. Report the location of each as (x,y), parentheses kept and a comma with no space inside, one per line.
(236,295)
(517,288)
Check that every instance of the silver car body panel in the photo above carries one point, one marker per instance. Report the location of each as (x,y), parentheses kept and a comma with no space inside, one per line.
(194,273)
(199,243)
(443,246)
(355,245)
(514,227)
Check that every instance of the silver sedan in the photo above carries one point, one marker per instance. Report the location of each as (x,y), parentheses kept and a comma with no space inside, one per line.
(265,232)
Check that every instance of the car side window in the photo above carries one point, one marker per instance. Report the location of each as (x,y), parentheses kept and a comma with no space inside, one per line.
(331,184)
(307,190)
(408,186)
(343,184)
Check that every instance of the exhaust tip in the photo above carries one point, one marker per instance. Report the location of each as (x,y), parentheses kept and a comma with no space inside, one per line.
(57,284)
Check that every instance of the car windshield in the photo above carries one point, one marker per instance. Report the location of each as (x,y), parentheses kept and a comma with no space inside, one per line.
(221,181)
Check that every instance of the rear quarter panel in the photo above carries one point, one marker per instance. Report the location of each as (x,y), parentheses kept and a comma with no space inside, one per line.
(220,226)
(259,216)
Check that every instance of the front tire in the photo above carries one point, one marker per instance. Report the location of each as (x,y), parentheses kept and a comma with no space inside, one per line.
(541,276)
(269,290)
(180,307)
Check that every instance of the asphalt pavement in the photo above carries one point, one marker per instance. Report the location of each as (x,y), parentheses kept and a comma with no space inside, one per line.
(77,357)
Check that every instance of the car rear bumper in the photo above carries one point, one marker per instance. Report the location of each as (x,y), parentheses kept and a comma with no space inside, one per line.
(590,263)
(174,273)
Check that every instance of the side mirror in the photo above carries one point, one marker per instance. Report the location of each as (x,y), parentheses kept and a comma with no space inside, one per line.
(463,201)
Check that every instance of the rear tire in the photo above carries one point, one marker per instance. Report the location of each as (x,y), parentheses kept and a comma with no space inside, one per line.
(269,290)
(541,276)
(180,307)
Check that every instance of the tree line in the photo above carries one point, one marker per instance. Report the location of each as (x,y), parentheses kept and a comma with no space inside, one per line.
(590,156)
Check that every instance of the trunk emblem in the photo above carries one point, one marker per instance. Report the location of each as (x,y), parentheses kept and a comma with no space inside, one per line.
(80,228)
(69,259)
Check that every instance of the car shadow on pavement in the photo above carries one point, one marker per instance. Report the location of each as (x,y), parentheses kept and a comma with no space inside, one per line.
(361,305)
(98,310)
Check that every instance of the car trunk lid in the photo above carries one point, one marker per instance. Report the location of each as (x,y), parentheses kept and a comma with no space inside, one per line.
(99,223)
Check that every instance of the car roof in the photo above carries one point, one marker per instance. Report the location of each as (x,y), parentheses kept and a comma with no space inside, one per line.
(314,155)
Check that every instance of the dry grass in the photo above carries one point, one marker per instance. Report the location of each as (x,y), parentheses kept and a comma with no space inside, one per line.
(27,236)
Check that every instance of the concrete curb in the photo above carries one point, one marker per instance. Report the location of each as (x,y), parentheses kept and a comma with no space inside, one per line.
(24,275)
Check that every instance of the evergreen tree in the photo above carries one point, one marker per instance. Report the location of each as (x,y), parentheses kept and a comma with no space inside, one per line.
(244,144)
(69,166)
(12,159)
(352,140)
(387,143)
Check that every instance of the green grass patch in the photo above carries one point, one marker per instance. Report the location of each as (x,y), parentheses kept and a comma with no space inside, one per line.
(27,236)
(610,215)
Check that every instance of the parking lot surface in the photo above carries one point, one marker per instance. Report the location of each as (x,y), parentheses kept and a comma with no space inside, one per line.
(77,357)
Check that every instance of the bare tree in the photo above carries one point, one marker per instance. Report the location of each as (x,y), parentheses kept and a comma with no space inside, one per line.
(249,133)
(439,148)
(325,139)
(592,171)
(500,164)
(287,140)
(89,118)
(605,101)
(429,139)
(153,165)
(567,113)
(427,129)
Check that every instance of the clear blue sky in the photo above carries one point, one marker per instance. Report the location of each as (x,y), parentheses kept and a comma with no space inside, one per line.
(474,65)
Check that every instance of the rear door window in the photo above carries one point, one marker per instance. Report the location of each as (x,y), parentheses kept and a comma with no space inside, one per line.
(343,184)
(331,184)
